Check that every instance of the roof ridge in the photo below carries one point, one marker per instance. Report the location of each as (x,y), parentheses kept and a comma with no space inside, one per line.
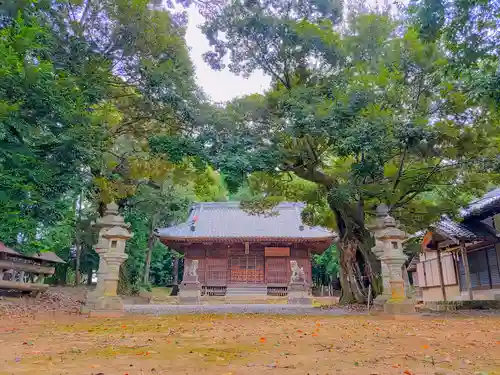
(237,204)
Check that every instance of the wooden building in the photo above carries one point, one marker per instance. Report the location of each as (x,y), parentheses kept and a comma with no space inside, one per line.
(25,273)
(238,251)
(460,260)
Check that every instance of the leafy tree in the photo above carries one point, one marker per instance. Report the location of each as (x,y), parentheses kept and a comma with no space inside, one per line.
(325,266)
(366,114)
(470,33)
(48,135)
(85,84)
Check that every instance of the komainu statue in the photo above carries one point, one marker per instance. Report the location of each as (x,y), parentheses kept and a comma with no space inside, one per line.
(193,267)
(298,275)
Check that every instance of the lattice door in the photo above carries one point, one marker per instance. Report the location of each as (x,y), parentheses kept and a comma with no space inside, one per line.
(216,271)
(277,270)
(237,269)
(255,269)
(246,269)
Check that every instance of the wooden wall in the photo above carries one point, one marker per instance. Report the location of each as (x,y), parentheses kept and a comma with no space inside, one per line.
(219,264)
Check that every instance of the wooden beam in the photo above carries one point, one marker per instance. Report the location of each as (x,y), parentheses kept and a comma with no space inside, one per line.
(4,284)
(441,277)
(466,269)
(8,265)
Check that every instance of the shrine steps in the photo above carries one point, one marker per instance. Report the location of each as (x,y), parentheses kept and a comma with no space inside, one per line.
(246,291)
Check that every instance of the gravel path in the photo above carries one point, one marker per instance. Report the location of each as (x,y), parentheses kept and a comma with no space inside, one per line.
(235,308)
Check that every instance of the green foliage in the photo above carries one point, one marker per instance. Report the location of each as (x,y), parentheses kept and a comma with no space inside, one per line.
(367,113)
(85,85)
(98,102)
(48,136)
(325,266)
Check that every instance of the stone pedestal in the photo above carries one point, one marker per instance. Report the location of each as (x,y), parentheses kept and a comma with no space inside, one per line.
(190,288)
(298,289)
(298,294)
(398,307)
(113,234)
(382,298)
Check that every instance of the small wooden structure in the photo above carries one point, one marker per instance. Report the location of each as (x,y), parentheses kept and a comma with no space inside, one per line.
(460,261)
(25,273)
(245,251)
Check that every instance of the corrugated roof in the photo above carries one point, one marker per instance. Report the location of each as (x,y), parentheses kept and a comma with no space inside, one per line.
(7,250)
(48,256)
(490,200)
(228,220)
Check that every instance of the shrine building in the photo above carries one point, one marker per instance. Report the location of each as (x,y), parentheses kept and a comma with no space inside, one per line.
(243,253)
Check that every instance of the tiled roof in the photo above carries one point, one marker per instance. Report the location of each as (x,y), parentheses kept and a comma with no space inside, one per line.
(489,201)
(228,220)
(454,230)
(463,231)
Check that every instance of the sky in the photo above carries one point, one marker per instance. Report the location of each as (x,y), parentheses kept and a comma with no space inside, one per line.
(219,85)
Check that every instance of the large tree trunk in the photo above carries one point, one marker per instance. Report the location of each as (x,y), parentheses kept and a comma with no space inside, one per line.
(359,267)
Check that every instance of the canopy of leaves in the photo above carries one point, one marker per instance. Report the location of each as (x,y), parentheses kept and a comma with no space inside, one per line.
(368,112)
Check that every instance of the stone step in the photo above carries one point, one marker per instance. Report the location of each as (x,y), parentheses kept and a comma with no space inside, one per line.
(250,291)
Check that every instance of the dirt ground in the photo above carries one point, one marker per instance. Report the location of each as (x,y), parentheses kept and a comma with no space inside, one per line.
(251,344)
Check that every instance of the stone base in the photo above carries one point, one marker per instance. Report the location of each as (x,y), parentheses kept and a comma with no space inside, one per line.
(97,305)
(381,300)
(298,294)
(190,293)
(397,307)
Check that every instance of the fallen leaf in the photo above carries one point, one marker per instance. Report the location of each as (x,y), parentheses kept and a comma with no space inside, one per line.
(425,346)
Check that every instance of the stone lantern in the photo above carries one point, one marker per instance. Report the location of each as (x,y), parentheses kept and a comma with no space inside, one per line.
(113,235)
(389,250)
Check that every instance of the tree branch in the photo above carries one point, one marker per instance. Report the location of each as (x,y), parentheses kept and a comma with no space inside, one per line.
(313,175)
(412,193)
(400,169)
(85,13)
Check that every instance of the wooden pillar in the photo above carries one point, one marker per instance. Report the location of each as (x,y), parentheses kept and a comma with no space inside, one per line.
(441,277)
(466,269)
(175,270)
